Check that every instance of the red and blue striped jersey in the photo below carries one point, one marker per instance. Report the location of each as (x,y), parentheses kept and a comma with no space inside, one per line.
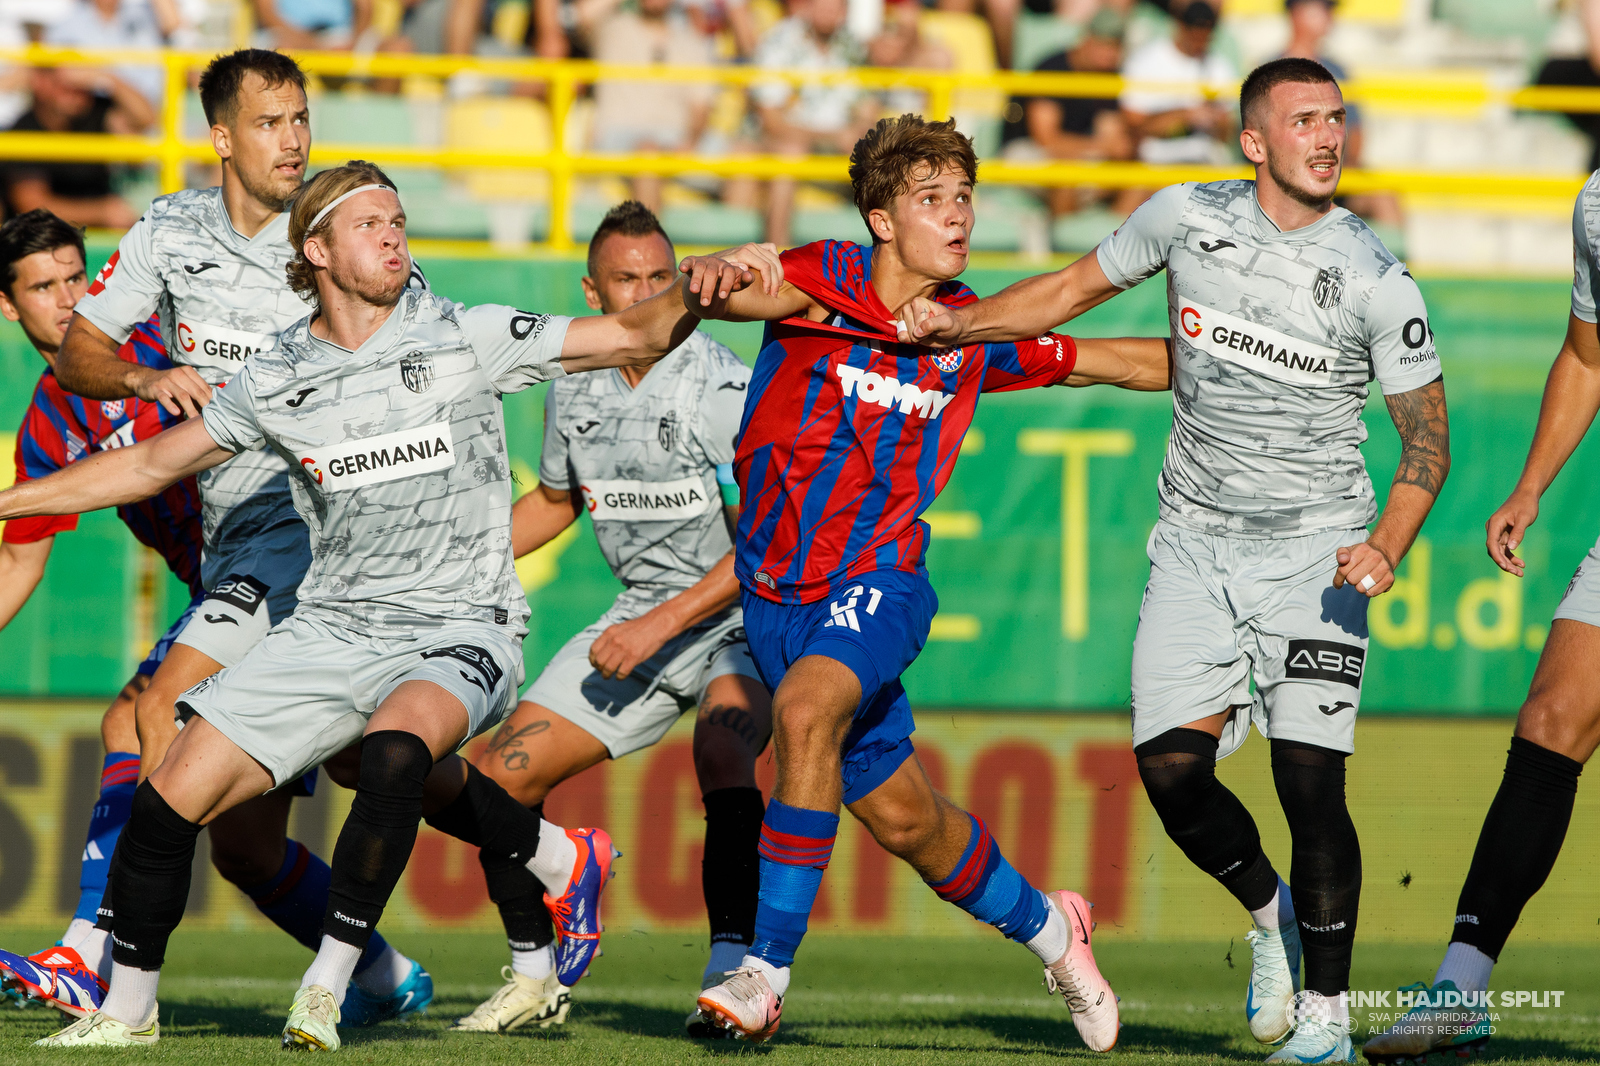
(61,428)
(848,436)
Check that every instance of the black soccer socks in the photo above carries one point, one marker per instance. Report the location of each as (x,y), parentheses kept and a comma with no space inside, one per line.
(730,871)
(151,867)
(1325,868)
(519,895)
(1518,845)
(378,835)
(1205,820)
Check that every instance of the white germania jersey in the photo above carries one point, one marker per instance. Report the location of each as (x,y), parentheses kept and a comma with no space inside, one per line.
(644,459)
(1586,248)
(1275,338)
(398,458)
(221,297)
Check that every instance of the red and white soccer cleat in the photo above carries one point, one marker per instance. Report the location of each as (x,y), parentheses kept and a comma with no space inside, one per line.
(1077,978)
(744,1004)
(57,977)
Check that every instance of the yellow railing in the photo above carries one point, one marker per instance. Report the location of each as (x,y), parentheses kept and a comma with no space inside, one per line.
(1454,94)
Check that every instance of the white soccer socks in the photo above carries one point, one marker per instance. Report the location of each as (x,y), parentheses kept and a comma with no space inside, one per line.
(535,964)
(387,973)
(725,955)
(1050,943)
(777,976)
(92,944)
(132,995)
(1278,911)
(1466,967)
(552,863)
(332,967)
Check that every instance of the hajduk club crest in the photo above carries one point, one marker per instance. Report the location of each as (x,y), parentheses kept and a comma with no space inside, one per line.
(947,360)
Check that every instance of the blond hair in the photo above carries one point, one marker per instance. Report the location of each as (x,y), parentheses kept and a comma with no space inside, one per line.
(316,194)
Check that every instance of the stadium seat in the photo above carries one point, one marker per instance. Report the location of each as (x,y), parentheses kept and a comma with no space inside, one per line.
(1082,230)
(1009,219)
(971,45)
(515,200)
(1038,36)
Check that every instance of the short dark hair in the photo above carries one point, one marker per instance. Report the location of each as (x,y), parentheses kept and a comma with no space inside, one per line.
(30,233)
(224,77)
(630,218)
(1268,76)
(899,151)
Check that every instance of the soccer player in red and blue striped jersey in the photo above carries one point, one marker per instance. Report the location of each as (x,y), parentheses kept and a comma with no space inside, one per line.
(848,435)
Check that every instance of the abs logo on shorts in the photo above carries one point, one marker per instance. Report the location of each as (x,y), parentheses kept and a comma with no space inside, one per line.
(475,657)
(1326,660)
(241,591)
(844,611)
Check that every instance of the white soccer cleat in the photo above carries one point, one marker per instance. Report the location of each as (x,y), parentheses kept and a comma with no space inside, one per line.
(1427,1029)
(1318,1036)
(744,1004)
(102,1030)
(313,1023)
(1076,976)
(699,1027)
(1274,979)
(521,1001)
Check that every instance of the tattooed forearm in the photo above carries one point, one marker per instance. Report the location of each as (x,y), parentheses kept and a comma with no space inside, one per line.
(1423,423)
(507,743)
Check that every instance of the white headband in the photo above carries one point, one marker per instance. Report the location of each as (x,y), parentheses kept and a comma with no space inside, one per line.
(360,189)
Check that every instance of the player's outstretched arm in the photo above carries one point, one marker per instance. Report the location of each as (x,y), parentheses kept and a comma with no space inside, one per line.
(1031,307)
(21,568)
(774,299)
(119,476)
(88,365)
(1423,422)
(1571,399)
(539,516)
(1143,364)
(621,648)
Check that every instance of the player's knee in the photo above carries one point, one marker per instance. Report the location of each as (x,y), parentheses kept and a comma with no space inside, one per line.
(1561,725)
(726,743)
(246,859)
(1178,769)
(527,785)
(344,768)
(802,725)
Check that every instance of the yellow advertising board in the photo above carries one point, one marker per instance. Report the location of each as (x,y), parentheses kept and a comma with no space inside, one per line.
(1060,792)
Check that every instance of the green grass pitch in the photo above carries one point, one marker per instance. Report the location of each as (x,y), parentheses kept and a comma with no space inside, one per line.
(854,1000)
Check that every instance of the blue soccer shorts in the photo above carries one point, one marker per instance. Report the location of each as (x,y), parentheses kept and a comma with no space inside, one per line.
(875,624)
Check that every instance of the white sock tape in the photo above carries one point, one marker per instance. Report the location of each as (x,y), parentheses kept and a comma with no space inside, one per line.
(1367,583)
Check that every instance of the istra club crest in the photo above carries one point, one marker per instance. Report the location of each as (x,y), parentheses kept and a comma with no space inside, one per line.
(667,431)
(1328,287)
(416,372)
(947,360)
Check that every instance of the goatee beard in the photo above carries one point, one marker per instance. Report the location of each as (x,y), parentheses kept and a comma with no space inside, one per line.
(1306,197)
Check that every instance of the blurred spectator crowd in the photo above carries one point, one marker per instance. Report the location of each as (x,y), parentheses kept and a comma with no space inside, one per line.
(1174,54)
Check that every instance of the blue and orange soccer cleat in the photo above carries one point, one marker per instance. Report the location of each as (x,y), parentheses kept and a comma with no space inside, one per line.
(56,977)
(576,912)
(361,1008)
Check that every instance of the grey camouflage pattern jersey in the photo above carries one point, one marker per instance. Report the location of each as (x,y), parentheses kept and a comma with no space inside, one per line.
(398,459)
(221,298)
(1276,336)
(644,460)
(1585,248)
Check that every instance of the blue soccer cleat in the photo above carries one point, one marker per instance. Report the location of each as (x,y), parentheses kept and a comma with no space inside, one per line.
(363,1008)
(577,912)
(56,977)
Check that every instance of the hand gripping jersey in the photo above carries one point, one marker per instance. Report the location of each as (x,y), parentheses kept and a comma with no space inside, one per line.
(644,459)
(848,435)
(61,428)
(1276,336)
(398,459)
(220,298)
